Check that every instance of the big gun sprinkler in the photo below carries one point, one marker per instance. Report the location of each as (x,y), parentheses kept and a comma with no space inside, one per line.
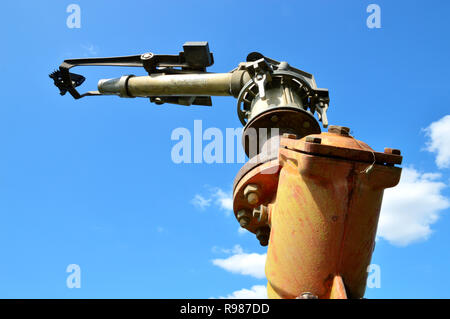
(312,197)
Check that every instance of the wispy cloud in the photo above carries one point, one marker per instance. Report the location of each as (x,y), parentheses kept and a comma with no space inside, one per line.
(221,199)
(90,49)
(409,209)
(200,202)
(237,249)
(439,141)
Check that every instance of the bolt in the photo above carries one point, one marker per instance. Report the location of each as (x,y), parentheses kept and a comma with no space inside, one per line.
(263,234)
(252,198)
(260,213)
(341,130)
(313,139)
(274,118)
(244,221)
(283,66)
(307,295)
(392,151)
(147,56)
(159,101)
(306,124)
(243,217)
(290,136)
(256,213)
(251,193)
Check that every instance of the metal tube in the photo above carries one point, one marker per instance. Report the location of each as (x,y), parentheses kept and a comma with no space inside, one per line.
(207,84)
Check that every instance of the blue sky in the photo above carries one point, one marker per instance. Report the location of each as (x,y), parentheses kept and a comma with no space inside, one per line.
(91,182)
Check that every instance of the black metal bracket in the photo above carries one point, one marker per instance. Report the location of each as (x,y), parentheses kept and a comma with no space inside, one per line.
(195,58)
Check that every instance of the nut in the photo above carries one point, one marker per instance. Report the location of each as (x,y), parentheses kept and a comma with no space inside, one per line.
(283,66)
(253,198)
(341,130)
(243,217)
(251,193)
(289,135)
(392,151)
(256,213)
(244,221)
(261,213)
(313,139)
(263,234)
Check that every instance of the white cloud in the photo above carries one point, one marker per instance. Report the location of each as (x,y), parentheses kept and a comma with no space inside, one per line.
(242,231)
(221,199)
(256,292)
(243,263)
(410,208)
(439,143)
